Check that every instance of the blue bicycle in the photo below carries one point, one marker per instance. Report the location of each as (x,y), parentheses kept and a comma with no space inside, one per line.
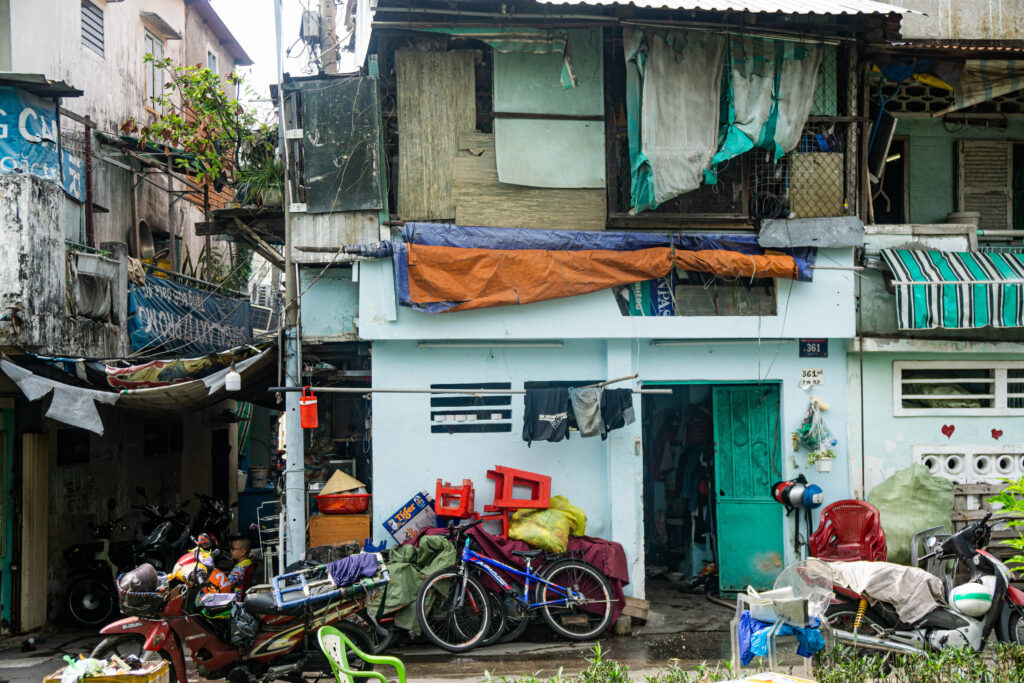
(455,610)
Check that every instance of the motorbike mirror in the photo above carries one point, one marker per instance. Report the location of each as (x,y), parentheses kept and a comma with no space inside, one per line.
(215,552)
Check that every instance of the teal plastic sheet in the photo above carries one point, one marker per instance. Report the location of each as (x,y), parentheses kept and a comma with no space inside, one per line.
(770,86)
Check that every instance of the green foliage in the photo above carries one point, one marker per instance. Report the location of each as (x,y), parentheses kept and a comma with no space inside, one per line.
(1012,500)
(820,454)
(1000,663)
(200,118)
(233,270)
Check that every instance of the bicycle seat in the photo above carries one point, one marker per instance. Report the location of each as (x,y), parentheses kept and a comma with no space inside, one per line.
(527,554)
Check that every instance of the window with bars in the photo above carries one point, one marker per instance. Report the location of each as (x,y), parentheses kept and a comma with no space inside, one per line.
(467,413)
(92,27)
(962,388)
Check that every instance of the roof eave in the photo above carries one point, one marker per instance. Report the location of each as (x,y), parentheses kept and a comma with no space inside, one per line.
(220,29)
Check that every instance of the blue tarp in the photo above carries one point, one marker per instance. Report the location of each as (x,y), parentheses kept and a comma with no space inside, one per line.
(28,134)
(166,316)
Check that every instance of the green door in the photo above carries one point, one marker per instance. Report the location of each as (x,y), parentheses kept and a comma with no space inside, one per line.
(749,522)
(6,514)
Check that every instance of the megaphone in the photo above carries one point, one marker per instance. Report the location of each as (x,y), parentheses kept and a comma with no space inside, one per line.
(798,493)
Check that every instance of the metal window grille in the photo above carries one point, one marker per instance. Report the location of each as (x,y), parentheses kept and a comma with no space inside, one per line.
(92,27)
(966,388)
(462,413)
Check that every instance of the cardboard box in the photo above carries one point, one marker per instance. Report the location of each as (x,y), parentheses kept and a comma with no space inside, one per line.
(330,529)
(417,514)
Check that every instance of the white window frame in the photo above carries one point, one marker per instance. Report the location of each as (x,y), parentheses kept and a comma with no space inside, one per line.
(211,56)
(999,387)
(151,70)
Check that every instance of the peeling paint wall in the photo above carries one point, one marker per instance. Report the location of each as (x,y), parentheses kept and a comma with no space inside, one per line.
(33,274)
(962,19)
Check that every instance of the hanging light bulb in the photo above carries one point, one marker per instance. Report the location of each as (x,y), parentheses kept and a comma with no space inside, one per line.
(232,381)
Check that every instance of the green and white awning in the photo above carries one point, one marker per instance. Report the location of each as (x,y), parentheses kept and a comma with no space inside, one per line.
(957,290)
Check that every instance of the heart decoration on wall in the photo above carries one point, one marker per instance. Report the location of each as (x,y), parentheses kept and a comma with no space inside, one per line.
(947,430)
(996,433)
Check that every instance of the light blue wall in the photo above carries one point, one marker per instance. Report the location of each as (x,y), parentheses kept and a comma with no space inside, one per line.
(602,477)
(888,439)
(823,308)
(329,305)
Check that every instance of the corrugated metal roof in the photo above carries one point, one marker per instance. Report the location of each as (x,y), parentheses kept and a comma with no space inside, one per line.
(828,7)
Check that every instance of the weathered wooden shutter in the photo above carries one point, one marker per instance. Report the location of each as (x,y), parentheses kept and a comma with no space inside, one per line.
(92,27)
(984,173)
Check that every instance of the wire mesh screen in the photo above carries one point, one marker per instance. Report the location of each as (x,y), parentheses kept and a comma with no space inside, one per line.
(807,183)
(826,92)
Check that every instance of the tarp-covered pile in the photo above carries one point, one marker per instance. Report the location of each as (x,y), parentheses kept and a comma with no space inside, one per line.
(440,268)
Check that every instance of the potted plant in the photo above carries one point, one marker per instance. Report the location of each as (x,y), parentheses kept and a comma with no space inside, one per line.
(821,458)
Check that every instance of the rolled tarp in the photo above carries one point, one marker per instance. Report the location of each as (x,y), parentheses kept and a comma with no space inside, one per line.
(440,279)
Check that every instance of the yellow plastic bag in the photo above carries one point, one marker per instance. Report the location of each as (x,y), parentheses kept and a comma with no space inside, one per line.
(544,529)
(577,519)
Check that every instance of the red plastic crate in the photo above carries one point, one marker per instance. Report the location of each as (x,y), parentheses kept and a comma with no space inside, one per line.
(343,503)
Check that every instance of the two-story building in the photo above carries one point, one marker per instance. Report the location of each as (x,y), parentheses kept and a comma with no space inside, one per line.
(670,193)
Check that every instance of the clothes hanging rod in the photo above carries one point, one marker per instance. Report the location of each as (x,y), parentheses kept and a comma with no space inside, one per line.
(468,392)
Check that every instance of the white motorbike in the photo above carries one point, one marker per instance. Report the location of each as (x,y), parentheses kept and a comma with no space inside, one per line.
(883,606)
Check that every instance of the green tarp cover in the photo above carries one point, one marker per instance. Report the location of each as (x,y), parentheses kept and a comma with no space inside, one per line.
(409,565)
(957,290)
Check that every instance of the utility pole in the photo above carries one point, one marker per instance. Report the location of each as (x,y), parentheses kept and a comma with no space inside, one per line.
(328,37)
(295,465)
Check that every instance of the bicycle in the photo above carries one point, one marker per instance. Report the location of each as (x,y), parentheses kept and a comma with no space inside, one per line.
(454,609)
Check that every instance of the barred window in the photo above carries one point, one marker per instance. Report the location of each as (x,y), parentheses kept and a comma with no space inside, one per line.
(962,388)
(92,27)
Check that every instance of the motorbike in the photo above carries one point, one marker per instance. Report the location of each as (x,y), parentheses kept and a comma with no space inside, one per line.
(986,603)
(166,533)
(165,613)
(213,519)
(93,567)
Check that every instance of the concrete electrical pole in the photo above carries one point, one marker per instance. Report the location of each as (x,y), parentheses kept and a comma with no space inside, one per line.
(328,37)
(295,461)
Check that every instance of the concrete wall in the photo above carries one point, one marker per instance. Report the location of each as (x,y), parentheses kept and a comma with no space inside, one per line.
(605,478)
(933,162)
(887,440)
(33,274)
(959,19)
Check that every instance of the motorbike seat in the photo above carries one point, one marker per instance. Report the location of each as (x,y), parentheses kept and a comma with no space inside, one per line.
(847,592)
(294,604)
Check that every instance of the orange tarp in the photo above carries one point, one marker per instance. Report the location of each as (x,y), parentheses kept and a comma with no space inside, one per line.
(483,278)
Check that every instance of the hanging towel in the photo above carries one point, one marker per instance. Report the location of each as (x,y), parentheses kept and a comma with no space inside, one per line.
(546,417)
(586,405)
(616,409)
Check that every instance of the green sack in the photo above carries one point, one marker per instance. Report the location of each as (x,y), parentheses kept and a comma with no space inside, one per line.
(910,501)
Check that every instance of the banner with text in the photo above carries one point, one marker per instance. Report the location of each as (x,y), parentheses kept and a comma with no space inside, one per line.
(166,316)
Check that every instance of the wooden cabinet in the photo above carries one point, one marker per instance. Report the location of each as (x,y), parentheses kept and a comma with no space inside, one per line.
(327,529)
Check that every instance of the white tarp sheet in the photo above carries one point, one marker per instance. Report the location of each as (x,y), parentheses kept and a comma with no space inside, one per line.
(71,405)
(911,590)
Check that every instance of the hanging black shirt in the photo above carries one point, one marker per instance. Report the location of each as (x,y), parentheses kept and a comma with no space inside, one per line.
(616,409)
(546,417)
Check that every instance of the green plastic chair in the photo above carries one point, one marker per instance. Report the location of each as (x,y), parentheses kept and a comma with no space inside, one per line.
(334,644)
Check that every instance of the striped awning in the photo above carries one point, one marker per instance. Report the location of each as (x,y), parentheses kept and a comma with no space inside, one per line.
(957,290)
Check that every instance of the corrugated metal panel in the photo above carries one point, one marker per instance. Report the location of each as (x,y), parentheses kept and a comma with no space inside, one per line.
(755,6)
(92,27)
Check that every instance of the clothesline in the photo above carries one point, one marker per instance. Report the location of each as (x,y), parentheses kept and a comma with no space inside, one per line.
(471,392)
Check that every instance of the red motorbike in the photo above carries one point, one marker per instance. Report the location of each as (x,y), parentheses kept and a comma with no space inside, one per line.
(167,616)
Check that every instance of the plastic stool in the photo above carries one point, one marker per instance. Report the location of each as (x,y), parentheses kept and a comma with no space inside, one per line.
(455,501)
(505,481)
(502,515)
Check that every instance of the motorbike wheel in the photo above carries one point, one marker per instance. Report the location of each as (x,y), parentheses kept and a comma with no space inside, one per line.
(841,617)
(1016,629)
(90,601)
(131,644)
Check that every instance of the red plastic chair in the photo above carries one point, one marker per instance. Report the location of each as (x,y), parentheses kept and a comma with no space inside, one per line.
(849,530)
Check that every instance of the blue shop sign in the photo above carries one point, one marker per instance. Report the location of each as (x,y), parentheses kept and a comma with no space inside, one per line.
(28,134)
(164,315)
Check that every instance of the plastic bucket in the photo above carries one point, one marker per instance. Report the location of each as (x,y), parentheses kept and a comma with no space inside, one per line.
(258,477)
(307,409)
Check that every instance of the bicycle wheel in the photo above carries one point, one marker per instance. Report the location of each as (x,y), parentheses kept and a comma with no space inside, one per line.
(587,611)
(499,619)
(452,618)
(517,619)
